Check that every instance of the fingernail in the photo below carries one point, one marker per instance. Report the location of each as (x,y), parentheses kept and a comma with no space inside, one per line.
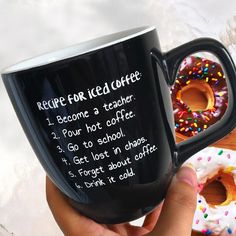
(188,175)
(190,165)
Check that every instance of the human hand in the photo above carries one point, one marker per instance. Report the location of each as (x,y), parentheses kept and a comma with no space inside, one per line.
(173,217)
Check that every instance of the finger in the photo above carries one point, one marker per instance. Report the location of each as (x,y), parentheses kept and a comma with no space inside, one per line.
(151,219)
(128,229)
(148,225)
(68,219)
(179,206)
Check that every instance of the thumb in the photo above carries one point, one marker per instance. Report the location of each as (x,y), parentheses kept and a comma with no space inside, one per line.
(179,206)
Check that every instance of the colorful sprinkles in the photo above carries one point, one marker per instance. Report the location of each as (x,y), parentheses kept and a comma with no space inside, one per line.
(220,152)
(209,219)
(188,122)
(229,230)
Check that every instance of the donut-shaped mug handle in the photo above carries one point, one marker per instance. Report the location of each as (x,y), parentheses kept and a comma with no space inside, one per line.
(169,62)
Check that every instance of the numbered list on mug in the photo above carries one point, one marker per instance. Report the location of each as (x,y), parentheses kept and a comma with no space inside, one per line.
(71,134)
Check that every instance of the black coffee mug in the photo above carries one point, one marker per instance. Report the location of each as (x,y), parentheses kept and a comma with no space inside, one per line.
(99,118)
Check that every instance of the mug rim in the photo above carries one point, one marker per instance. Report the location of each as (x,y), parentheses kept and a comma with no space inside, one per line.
(77,49)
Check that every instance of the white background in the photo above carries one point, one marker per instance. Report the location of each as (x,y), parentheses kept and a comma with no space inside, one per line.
(32,27)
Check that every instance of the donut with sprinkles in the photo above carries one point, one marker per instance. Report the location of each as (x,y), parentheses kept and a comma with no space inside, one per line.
(215,164)
(208,78)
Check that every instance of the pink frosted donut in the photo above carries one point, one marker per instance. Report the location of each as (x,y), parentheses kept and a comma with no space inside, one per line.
(220,165)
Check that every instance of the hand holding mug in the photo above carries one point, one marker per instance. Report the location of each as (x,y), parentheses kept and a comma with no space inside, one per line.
(165,220)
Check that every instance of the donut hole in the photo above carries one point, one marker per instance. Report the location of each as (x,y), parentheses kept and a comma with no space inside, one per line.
(199,102)
(220,189)
(214,193)
(197,96)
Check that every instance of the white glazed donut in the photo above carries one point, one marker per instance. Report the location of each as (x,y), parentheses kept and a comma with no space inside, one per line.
(215,164)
